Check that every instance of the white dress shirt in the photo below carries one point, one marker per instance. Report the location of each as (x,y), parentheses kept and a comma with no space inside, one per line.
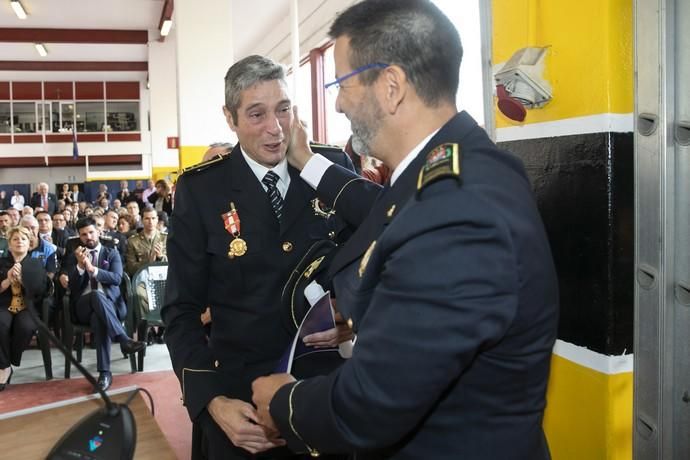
(281,169)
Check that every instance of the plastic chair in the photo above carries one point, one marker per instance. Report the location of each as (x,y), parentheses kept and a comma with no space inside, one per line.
(153,277)
(73,333)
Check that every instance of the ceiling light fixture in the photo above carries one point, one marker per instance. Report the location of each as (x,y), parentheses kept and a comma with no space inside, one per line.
(165,22)
(165,27)
(18,9)
(41,48)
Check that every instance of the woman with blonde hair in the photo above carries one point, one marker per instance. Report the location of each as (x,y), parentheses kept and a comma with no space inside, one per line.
(16,323)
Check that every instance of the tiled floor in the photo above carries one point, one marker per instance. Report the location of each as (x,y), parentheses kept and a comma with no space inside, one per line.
(31,370)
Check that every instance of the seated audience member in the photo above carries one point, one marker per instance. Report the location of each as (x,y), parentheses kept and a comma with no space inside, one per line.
(60,223)
(44,199)
(14,216)
(161,199)
(110,230)
(147,192)
(27,211)
(4,200)
(77,195)
(94,273)
(117,204)
(16,324)
(102,193)
(65,194)
(134,210)
(81,209)
(40,249)
(104,203)
(163,222)
(4,229)
(126,225)
(47,232)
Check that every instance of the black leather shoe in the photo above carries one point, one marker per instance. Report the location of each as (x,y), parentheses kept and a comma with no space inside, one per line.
(105,379)
(4,385)
(130,346)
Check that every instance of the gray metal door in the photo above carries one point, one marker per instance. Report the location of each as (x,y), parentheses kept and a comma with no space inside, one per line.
(661,427)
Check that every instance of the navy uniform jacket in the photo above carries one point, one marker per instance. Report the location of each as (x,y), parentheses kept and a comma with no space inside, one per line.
(250,329)
(456,315)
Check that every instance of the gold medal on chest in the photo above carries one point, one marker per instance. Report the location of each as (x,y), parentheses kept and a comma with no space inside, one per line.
(231,219)
(237,248)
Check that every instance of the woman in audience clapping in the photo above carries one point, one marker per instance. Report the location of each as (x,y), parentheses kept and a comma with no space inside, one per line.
(16,324)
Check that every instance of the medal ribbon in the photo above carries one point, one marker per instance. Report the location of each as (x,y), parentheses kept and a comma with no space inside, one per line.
(232,221)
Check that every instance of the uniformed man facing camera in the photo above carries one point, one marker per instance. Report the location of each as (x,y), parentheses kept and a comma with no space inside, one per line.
(241,223)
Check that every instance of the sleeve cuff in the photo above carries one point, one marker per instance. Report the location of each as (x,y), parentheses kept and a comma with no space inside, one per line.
(315,169)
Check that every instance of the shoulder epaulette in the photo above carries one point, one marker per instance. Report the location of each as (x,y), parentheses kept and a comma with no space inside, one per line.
(319,146)
(443,161)
(204,165)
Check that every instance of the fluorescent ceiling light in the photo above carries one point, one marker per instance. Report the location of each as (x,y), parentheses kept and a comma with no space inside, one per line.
(41,48)
(165,27)
(18,9)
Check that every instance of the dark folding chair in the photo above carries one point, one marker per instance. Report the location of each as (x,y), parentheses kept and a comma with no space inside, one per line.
(73,333)
(42,340)
(152,277)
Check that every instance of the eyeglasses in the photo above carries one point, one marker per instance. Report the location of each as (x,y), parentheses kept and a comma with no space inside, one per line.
(335,84)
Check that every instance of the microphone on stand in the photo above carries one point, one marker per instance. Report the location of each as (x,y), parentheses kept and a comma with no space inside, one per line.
(106,433)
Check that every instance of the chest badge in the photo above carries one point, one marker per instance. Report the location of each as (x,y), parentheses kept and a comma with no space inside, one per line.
(231,219)
(320,209)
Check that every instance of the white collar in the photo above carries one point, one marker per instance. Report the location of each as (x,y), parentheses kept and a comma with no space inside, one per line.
(259,170)
(410,156)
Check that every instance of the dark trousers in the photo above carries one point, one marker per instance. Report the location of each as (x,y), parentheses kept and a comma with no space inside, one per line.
(96,310)
(15,335)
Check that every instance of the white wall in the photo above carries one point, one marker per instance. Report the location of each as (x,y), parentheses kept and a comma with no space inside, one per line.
(33,176)
(163,99)
(204,54)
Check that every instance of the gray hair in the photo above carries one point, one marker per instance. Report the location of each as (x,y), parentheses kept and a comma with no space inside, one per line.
(28,219)
(411,34)
(226,145)
(244,74)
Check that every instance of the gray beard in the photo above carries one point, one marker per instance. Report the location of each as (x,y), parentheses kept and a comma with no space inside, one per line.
(359,145)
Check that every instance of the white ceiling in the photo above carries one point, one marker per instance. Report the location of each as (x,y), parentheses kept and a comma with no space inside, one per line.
(250,24)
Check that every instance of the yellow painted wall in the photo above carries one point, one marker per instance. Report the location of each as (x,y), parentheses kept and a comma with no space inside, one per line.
(191,154)
(589,414)
(167,173)
(590,60)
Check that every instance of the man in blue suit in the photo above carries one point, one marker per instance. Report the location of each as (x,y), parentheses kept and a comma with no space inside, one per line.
(95,274)
(454,294)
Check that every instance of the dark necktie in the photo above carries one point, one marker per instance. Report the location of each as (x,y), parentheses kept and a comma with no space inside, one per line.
(94,262)
(270,180)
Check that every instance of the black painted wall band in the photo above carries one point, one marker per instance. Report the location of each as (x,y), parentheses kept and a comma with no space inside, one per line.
(585,191)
